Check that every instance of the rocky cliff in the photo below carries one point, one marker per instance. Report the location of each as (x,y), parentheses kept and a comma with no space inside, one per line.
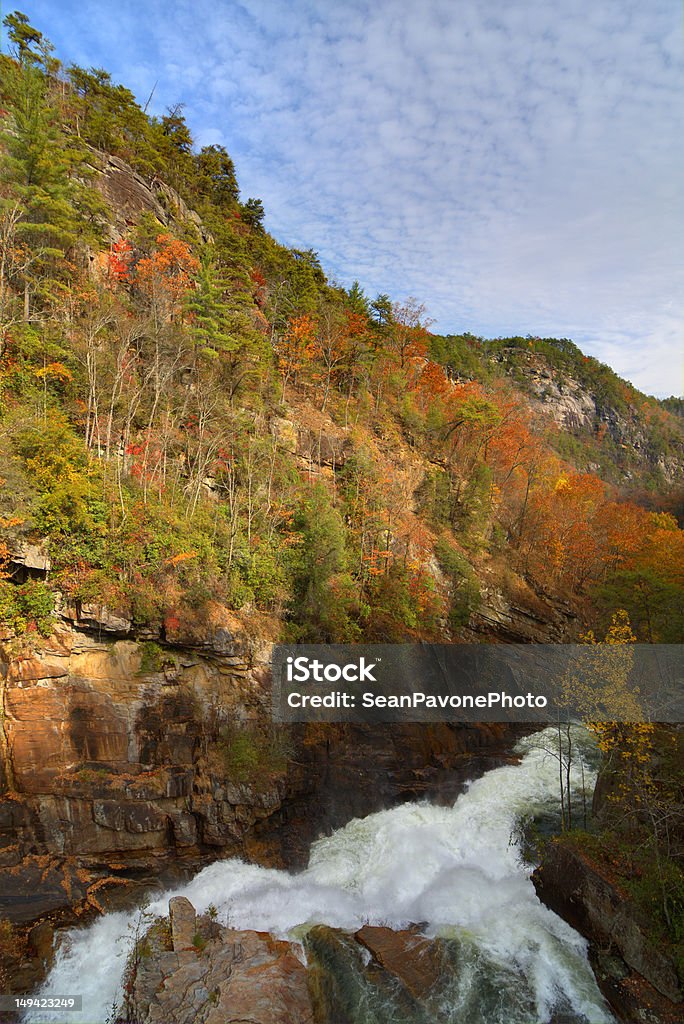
(117,770)
(613,436)
(108,766)
(636,974)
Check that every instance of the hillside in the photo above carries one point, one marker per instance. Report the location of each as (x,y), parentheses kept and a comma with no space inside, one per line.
(206,446)
(194,414)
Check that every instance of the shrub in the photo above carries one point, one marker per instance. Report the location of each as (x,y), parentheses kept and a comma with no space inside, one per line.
(248,754)
(27,608)
(465,596)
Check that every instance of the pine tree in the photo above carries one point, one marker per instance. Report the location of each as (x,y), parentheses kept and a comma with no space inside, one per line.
(38,165)
(211,313)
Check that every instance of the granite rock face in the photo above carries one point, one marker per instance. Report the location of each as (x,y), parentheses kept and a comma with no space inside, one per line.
(574,409)
(130,196)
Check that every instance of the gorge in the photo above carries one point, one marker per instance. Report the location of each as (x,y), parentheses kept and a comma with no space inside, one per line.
(456,870)
(208,447)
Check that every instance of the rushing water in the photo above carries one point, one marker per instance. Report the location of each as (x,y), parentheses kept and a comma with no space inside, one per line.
(457,869)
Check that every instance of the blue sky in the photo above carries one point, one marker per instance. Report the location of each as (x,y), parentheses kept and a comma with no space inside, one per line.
(514,164)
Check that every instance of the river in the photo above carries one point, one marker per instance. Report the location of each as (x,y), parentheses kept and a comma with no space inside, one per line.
(458,870)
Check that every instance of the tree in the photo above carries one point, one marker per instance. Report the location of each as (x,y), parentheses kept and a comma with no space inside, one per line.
(297,347)
(357,300)
(30,46)
(252,213)
(40,168)
(210,312)
(408,333)
(166,276)
(323,591)
(215,175)
(175,129)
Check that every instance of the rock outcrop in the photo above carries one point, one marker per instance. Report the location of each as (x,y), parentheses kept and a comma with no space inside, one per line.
(575,409)
(634,972)
(203,972)
(113,763)
(130,196)
(190,970)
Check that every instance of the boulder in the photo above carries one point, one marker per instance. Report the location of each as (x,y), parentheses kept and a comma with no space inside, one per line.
(215,975)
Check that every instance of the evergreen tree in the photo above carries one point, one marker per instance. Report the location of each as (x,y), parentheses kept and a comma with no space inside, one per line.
(215,176)
(211,313)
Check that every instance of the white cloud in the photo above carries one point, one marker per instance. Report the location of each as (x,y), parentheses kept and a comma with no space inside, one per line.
(511,164)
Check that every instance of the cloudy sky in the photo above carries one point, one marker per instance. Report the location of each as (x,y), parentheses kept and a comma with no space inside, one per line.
(514,164)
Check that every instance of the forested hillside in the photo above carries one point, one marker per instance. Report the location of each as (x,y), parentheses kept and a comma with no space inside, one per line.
(193,415)
(200,431)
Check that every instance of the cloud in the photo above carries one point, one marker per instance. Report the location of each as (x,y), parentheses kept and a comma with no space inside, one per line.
(513,165)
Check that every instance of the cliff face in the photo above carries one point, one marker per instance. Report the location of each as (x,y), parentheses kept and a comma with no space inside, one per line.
(636,976)
(578,409)
(115,769)
(130,196)
(109,767)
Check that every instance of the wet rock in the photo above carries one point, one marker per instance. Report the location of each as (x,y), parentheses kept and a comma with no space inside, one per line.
(184,828)
(344,987)
(39,889)
(415,960)
(627,960)
(109,814)
(41,940)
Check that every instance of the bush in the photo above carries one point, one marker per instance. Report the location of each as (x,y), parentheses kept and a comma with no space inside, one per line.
(152,658)
(27,608)
(465,598)
(248,754)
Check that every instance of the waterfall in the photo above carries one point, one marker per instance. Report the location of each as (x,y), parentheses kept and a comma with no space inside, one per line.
(457,870)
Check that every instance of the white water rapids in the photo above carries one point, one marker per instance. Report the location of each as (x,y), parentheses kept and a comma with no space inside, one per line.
(457,868)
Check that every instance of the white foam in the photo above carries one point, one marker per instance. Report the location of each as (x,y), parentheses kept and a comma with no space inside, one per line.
(456,868)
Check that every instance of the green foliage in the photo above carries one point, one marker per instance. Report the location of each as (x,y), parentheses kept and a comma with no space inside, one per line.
(28,44)
(68,503)
(462,353)
(321,600)
(152,657)
(210,312)
(465,595)
(250,755)
(48,205)
(215,177)
(252,213)
(28,607)
(474,509)
(655,604)
(434,497)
